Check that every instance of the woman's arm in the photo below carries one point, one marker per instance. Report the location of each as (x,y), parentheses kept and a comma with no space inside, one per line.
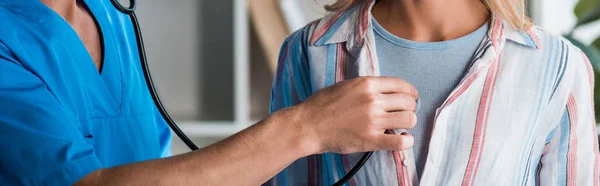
(571,154)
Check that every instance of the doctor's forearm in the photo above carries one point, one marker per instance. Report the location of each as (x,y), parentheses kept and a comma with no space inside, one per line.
(250,157)
(345,118)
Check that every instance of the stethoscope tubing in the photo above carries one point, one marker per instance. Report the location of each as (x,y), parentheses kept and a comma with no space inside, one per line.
(148,77)
(130,11)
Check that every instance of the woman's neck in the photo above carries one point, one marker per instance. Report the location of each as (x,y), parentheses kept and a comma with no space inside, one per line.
(430,20)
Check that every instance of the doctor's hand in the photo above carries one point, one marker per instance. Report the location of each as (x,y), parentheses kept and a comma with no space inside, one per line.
(353,115)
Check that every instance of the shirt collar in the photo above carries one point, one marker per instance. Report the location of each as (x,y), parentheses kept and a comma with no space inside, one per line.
(351,26)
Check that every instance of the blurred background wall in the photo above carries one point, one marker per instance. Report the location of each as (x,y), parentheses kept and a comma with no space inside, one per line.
(193,56)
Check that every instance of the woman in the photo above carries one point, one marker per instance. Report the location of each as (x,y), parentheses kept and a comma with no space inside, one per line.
(501,102)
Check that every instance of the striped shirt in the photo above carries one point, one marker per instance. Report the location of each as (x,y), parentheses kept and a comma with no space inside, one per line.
(522,114)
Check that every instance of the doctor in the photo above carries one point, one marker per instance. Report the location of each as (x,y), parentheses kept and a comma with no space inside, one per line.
(74,109)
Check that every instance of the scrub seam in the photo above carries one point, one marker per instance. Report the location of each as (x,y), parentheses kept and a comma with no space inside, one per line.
(113,117)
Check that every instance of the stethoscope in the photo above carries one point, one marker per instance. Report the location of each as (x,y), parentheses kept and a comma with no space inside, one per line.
(144,63)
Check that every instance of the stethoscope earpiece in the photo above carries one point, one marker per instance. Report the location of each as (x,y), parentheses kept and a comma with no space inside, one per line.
(122,9)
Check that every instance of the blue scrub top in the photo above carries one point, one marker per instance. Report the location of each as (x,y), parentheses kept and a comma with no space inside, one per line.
(60,119)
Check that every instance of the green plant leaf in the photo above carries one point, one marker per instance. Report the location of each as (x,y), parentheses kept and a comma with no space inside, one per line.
(588,16)
(596,44)
(593,55)
(584,5)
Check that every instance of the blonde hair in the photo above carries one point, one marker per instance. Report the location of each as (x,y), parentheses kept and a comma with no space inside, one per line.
(513,11)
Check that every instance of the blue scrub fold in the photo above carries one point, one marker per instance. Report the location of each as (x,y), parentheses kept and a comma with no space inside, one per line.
(60,119)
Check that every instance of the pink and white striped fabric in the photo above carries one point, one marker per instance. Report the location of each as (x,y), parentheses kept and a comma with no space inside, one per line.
(522,115)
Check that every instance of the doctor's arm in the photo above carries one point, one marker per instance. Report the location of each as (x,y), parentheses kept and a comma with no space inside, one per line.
(323,123)
(45,146)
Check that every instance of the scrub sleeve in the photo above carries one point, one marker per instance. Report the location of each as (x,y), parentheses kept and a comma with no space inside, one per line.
(49,143)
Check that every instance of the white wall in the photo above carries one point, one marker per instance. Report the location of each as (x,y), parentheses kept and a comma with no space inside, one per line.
(190,52)
(172,37)
(557,16)
(300,12)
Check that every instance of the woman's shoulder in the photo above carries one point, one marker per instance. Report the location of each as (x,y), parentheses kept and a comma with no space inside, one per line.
(545,47)
(551,42)
(563,53)
(334,27)
(302,35)
(575,50)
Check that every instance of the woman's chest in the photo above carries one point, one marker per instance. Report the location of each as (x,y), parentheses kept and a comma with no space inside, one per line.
(500,110)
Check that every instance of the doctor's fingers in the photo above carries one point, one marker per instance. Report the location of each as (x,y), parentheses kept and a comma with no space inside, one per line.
(398,120)
(395,141)
(397,102)
(387,85)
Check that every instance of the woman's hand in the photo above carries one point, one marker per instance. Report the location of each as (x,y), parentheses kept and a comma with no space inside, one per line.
(353,115)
